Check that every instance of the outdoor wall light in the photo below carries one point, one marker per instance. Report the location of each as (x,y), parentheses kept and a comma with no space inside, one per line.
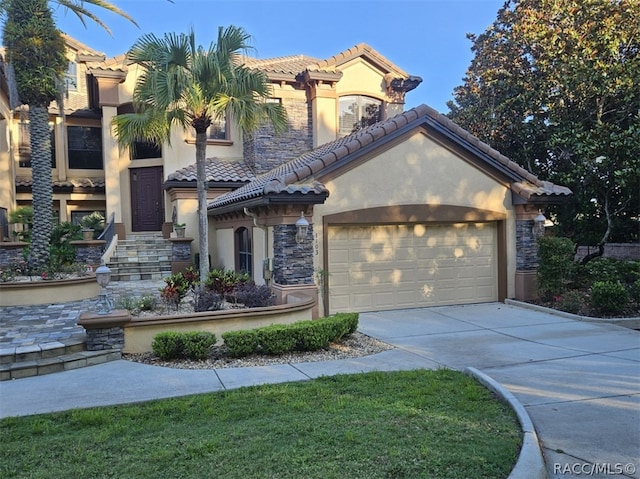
(302,228)
(104,304)
(538,224)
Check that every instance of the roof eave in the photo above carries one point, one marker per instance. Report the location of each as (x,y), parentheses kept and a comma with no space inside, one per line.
(271,200)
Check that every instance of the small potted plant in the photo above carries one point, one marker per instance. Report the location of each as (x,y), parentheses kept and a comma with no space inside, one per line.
(179,228)
(91,223)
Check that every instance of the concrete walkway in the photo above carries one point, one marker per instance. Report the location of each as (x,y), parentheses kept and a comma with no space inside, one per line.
(579,382)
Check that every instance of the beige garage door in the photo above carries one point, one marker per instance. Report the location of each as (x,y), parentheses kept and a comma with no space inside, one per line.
(373,268)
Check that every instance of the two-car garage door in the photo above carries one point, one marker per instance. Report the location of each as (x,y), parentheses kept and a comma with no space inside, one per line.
(373,268)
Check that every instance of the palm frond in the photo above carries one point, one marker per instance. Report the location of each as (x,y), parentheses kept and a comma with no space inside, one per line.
(78,8)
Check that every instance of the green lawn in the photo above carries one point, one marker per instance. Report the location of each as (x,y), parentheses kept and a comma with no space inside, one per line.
(417,424)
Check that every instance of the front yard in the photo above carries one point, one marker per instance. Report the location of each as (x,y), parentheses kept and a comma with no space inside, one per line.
(376,425)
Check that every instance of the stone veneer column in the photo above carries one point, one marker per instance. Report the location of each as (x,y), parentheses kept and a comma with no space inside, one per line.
(526,253)
(292,262)
(293,265)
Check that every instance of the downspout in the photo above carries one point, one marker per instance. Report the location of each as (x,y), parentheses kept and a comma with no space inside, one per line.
(266,263)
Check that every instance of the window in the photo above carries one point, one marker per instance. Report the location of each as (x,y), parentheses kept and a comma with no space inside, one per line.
(4,224)
(144,149)
(24,145)
(217,130)
(85,147)
(243,251)
(357,112)
(71,77)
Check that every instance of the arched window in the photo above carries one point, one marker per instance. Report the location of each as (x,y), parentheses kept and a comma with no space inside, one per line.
(243,251)
(357,112)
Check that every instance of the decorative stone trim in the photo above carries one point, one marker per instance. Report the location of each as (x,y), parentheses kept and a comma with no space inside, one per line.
(105,331)
(12,252)
(292,262)
(181,257)
(89,251)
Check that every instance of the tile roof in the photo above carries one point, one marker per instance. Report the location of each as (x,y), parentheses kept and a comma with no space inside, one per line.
(299,173)
(68,183)
(217,170)
(294,65)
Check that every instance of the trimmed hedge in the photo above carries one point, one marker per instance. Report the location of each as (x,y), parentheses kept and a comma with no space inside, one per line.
(300,336)
(190,345)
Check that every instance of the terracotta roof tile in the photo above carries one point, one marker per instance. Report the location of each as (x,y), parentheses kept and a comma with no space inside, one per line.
(303,168)
(217,170)
(68,183)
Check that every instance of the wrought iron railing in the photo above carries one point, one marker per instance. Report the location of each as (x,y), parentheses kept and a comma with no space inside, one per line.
(109,232)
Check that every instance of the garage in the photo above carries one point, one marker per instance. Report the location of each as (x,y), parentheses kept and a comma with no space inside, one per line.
(381,267)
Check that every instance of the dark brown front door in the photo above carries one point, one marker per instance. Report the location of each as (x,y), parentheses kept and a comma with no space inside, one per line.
(147,209)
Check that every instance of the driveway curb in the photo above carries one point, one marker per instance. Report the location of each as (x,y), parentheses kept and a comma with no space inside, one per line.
(530,464)
(631,323)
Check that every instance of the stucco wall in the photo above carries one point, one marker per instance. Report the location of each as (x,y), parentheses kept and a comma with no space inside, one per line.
(417,171)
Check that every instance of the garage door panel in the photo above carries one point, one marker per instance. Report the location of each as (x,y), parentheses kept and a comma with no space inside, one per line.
(387,267)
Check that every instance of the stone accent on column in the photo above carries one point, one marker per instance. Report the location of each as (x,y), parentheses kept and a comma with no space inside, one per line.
(104,331)
(180,254)
(12,253)
(526,253)
(292,262)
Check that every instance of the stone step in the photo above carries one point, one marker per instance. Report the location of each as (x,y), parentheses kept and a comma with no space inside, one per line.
(142,276)
(47,358)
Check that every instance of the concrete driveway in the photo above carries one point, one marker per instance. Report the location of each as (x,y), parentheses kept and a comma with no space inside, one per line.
(578,381)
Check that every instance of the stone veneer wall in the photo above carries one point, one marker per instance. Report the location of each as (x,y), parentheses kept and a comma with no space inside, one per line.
(99,339)
(11,253)
(181,251)
(266,150)
(526,246)
(88,252)
(292,262)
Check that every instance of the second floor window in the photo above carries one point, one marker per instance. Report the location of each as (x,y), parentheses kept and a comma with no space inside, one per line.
(71,77)
(85,147)
(217,130)
(357,112)
(24,145)
(143,150)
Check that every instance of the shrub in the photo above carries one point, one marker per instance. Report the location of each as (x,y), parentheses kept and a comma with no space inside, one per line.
(300,336)
(126,302)
(277,339)
(191,345)
(634,291)
(608,298)
(571,302)
(612,270)
(167,345)
(207,300)
(176,289)
(197,344)
(60,249)
(253,296)
(148,302)
(556,265)
(241,343)
(224,281)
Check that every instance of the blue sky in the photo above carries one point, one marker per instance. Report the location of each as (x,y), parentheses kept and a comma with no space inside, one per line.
(426,38)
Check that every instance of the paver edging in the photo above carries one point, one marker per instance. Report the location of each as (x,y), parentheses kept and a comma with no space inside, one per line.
(530,464)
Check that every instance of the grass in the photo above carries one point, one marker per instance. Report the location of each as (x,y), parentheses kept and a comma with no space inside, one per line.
(415,424)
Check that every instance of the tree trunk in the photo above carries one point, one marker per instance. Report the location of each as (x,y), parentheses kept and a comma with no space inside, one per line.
(203,224)
(42,188)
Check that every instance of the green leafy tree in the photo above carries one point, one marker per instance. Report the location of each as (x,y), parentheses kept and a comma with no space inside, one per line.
(185,85)
(35,53)
(555,86)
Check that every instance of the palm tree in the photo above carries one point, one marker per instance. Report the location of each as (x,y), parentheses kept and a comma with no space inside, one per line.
(186,85)
(35,54)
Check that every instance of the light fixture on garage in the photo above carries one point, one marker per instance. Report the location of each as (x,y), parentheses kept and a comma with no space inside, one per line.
(302,228)
(538,224)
